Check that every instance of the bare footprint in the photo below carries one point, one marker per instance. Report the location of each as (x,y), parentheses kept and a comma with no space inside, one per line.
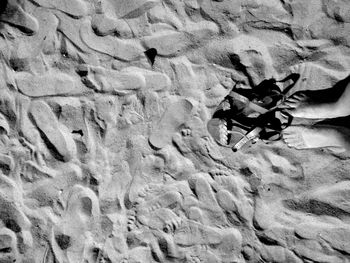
(173,118)
(8,246)
(72,237)
(16,16)
(192,258)
(167,200)
(301,137)
(56,135)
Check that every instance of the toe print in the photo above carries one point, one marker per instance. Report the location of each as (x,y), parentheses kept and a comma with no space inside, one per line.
(173,118)
(131,224)
(172,225)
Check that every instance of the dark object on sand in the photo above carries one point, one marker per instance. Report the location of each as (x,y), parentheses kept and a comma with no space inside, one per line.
(63,241)
(247,115)
(151,55)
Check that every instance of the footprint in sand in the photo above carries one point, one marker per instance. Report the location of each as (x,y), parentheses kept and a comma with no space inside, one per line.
(55,135)
(8,246)
(169,199)
(191,233)
(70,239)
(12,212)
(75,8)
(199,254)
(12,12)
(232,196)
(285,165)
(170,123)
(155,209)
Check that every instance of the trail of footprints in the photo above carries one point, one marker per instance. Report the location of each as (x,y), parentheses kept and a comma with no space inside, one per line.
(51,179)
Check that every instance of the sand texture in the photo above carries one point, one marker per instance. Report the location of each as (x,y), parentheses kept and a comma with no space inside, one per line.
(105,156)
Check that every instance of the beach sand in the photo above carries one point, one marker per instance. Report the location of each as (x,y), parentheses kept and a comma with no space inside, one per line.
(105,154)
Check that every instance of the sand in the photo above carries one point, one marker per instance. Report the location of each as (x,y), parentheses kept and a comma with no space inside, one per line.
(105,154)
